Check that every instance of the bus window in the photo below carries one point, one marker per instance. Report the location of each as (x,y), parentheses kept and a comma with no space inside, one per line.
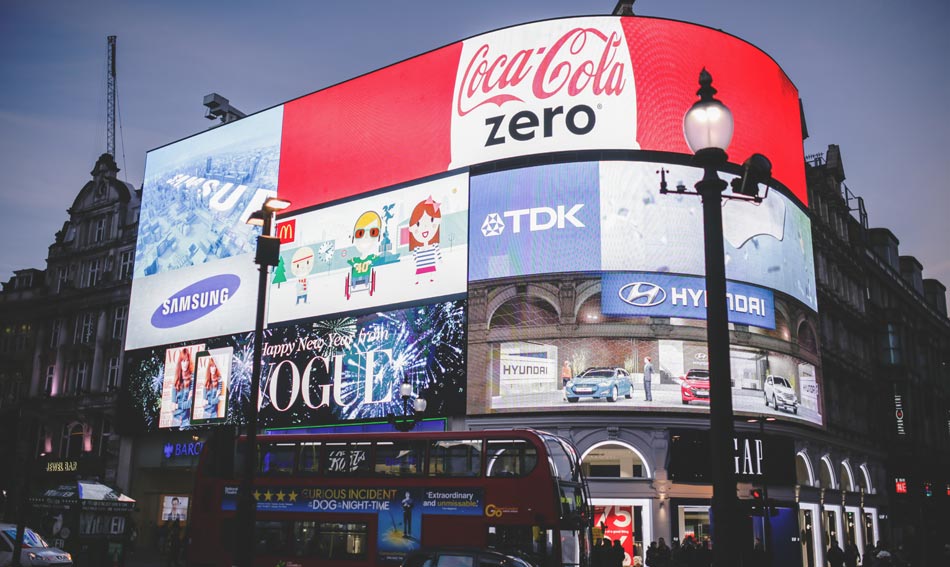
(276,459)
(563,463)
(329,540)
(461,457)
(510,457)
(308,457)
(347,458)
(271,538)
(399,458)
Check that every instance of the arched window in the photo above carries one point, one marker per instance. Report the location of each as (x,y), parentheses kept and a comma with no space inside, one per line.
(864,479)
(524,311)
(847,477)
(612,459)
(826,474)
(804,473)
(806,337)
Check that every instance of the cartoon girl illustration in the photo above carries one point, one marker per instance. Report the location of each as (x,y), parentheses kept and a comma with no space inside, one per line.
(424,225)
(212,389)
(184,374)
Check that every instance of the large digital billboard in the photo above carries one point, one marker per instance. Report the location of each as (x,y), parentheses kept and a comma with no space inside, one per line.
(345,369)
(194,273)
(404,199)
(586,83)
(591,373)
(405,245)
(336,370)
(610,216)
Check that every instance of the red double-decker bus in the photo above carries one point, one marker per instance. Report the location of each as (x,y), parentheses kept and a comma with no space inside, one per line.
(359,499)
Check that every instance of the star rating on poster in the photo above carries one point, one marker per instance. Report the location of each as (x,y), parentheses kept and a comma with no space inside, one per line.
(279,496)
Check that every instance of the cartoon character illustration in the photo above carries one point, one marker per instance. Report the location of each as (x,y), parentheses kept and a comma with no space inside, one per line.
(424,223)
(184,374)
(366,235)
(212,389)
(301,265)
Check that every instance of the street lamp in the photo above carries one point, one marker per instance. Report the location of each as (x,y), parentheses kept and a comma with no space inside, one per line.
(767,516)
(268,254)
(412,410)
(708,127)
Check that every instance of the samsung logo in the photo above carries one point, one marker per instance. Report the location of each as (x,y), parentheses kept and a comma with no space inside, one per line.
(195,301)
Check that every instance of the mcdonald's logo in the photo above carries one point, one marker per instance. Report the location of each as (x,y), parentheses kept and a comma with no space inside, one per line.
(286,231)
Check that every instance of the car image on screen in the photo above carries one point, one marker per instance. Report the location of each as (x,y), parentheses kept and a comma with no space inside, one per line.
(694,386)
(780,394)
(599,383)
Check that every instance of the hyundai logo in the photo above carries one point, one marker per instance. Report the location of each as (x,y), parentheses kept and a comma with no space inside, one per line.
(642,294)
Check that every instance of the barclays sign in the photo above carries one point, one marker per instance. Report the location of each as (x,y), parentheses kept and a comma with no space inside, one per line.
(638,294)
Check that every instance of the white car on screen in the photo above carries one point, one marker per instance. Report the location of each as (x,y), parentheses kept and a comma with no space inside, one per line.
(780,394)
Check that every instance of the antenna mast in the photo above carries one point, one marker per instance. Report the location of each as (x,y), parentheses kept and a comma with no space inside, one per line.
(110,102)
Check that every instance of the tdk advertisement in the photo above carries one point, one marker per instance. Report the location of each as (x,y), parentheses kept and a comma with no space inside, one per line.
(535,220)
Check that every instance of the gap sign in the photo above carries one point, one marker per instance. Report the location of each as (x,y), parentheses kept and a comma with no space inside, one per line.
(638,294)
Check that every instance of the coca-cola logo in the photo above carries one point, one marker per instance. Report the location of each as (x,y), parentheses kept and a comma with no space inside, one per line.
(582,59)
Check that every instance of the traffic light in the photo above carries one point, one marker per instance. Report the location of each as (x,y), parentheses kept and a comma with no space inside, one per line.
(757,495)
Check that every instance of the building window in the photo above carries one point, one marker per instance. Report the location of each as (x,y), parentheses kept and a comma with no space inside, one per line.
(118,323)
(50,376)
(613,460)
(62,278)
(113,378)
(55,329)
(85,329)
(891,350)
(125,264)
(81,368)
(107,433)
(94,272)
(72,442)
(99,232)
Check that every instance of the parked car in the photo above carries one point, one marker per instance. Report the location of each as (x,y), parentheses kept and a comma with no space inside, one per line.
(35,550)
(780,393)
(694,386)
(462,557)
(599,383)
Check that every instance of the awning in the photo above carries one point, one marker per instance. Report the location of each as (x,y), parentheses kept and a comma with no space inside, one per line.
(87,495)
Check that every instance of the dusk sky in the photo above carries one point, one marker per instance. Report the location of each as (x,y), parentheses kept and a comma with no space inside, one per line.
(873,77)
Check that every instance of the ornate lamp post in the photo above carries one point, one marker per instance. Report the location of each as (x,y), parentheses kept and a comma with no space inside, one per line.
(268,254)
(412,410)
(708,128)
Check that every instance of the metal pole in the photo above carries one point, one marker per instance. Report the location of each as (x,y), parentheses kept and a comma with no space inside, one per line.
(724,502)
(247,507)
(767,507)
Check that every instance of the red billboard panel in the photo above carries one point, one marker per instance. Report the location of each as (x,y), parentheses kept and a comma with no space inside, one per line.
(589,83)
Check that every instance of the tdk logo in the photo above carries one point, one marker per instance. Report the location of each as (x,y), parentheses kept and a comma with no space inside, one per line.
(642,294)
(195,301)
(538,219)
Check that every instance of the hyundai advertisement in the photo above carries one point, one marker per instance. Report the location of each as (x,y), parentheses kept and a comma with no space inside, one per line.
(610,374)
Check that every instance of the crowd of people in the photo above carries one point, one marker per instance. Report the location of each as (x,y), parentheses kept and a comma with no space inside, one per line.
(692,553)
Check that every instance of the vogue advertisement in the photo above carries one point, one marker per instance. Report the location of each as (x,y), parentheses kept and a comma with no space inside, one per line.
(350,368)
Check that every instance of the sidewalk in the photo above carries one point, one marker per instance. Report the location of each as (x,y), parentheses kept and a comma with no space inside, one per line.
(146,558)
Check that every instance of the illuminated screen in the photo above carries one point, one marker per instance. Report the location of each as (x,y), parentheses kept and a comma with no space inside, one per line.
(607,374)
(586,83)
(350,368)
(610,216)
(174,507)
(194,253)
(406,245)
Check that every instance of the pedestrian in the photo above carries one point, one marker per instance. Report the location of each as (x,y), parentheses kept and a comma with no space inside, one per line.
(566,374)
(597,554)
(662,554)
(851,554)
(835,556)
(617,554)
(174,543)
(648,383)
(651,554)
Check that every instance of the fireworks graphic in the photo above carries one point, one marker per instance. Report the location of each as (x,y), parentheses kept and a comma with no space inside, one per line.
(360,362)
